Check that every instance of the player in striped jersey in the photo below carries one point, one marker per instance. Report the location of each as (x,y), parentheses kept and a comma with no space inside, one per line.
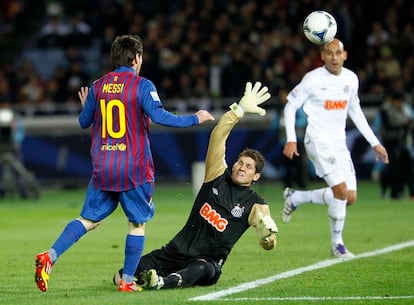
(119,107)
(223,210)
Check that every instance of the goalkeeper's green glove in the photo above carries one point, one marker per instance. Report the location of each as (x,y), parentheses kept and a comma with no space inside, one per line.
(251,98)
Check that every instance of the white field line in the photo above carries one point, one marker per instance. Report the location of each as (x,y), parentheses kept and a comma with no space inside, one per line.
(322,264)
(404,297)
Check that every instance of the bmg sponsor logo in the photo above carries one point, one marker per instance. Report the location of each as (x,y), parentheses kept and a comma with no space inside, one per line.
(214,218)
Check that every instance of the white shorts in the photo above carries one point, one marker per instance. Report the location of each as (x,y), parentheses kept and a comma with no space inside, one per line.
(332,161)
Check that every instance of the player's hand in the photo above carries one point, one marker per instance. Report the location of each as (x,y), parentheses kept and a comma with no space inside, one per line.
(269,242)
(83,93)
(253,96)
(204,116)
(266,226)
(269,224)
(290,150)
(381,152)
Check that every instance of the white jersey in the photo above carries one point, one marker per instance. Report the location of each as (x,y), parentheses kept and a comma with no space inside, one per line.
(327,99)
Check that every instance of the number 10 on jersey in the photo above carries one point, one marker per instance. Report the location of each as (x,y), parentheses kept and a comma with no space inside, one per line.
(107,112)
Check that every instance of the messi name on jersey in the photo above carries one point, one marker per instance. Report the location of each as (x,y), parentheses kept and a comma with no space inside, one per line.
(112,88)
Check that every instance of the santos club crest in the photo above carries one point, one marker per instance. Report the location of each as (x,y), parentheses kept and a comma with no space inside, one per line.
(237,211)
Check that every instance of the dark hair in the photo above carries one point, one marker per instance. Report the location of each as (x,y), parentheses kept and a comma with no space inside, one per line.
(256,156)
(124,49)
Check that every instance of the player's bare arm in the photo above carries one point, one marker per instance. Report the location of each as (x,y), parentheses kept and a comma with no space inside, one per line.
(381,153)
(83,93)
(290,150)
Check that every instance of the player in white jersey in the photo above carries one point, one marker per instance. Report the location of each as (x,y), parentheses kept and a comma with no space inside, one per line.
(328,95)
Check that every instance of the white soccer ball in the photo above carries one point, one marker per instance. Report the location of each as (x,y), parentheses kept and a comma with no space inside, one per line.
(319,27)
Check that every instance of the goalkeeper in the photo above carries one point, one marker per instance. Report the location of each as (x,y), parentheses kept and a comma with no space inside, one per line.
(223,210)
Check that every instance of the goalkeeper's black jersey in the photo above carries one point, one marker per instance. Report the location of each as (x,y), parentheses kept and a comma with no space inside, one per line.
(218,218)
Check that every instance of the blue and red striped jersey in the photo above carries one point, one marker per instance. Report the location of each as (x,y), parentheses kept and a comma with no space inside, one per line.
(119,107)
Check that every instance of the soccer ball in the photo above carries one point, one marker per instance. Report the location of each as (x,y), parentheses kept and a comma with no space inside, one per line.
(319,27)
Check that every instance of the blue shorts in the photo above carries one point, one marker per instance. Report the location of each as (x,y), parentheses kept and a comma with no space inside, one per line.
(136,203)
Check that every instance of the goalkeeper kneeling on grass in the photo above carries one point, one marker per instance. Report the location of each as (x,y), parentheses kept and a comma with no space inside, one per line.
(223,210)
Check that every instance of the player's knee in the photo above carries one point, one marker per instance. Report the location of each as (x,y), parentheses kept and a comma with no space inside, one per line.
(136,228)
(340,191)
(89,224)
(208,272)
(203,267)
(352,197)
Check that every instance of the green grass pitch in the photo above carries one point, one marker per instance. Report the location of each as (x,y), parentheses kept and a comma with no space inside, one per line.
(83,275)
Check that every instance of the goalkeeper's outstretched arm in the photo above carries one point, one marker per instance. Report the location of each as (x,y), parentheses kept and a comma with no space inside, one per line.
(265,226)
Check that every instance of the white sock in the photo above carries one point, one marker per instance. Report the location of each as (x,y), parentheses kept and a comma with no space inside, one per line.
(336,226)
(312,196)
(319,196)
(337,214)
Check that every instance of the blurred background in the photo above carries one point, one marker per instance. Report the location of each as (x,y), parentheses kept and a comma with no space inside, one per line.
(199,54)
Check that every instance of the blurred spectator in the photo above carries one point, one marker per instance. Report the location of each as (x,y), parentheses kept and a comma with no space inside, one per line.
(14,177)
(236,73)
(52,92)
(54,32)
(32,91)
(9,9)
(79,34)
(408,35)
(296,169)
(388,63)
(235,41)
(5,93)
(396,126)
(76,78)
(378,36)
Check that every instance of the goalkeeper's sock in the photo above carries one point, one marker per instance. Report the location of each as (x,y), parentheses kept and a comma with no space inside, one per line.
(134,245)
(70,235)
